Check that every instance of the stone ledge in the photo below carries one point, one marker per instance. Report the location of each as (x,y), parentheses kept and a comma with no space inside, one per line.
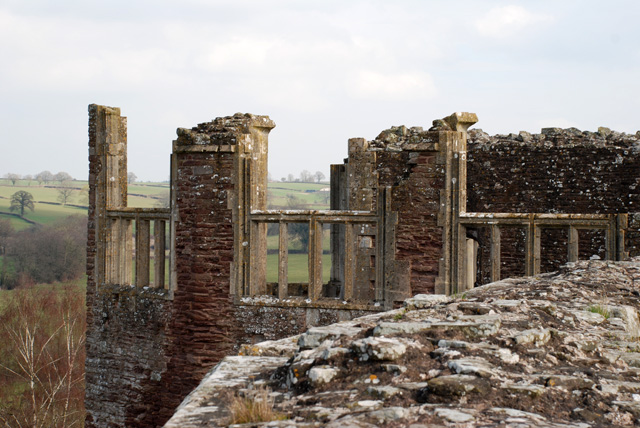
(133,291)
(292,302)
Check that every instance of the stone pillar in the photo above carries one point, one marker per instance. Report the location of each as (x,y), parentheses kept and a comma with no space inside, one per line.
(220,176)
(338,201)
(453,146)
(107,184)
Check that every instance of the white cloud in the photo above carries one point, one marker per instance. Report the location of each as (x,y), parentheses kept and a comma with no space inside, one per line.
(502,22)
(358,66)
(370,84)
(235,54)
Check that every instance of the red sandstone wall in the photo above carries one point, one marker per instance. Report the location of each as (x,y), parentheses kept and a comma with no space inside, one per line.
(418,179)
(202,329)
(408,160)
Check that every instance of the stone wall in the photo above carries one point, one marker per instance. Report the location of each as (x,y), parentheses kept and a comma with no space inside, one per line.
(147,348)
(267,318)
(557,171)
(409,166)
(125,337)
(202,329)
(417,180)
(126,356)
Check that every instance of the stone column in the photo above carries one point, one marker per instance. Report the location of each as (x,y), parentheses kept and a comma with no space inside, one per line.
(107,185)
(453,146)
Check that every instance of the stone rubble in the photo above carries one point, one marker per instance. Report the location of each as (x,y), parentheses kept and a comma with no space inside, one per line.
(557,350)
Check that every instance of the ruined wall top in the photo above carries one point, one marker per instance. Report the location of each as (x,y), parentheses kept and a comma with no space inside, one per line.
(558,137)
(222,130)
(398,138)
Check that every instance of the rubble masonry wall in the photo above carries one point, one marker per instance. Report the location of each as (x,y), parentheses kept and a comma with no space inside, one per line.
(557,171)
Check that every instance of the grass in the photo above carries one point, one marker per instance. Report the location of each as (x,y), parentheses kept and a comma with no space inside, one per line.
(308,194)
(600,309)
(400,315)
(257,408)
(143,195)
(297,186)
(43,213)
(298,268)
(459,295)
(46,213)
(298,264)
(150,189)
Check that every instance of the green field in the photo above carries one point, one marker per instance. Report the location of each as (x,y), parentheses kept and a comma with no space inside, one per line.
(311,195)
(144,195)
(141,195)
(43,212)
(298,268)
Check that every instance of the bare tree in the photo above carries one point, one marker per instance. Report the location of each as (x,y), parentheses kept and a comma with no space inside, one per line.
(65,194)
(13,178)
(44,177)
(49,253)
(306,176)
(290,178)
(131,178)
(62,176)
(28,178)
(319,176)
(42,333)
(21,200)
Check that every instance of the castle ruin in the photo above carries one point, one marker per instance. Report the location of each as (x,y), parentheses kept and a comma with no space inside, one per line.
(413,211)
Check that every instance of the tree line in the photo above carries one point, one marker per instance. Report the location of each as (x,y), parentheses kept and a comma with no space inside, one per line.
(304,177)
(42,253)
(44,177)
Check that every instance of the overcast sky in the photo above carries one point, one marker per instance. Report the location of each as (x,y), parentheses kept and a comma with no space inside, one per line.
(324,71)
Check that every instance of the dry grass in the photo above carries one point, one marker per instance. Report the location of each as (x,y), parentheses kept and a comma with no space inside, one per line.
(600,309)
(255,408)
